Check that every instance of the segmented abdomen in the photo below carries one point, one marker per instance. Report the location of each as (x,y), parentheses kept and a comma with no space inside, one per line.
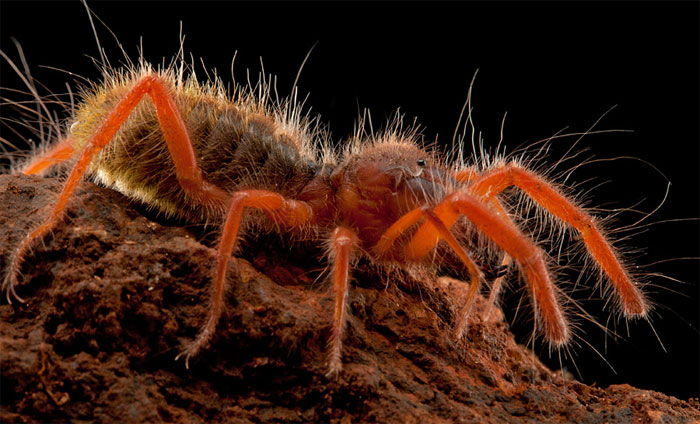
(239,144)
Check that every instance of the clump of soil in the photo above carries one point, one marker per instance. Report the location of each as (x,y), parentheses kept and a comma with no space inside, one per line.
(113,297)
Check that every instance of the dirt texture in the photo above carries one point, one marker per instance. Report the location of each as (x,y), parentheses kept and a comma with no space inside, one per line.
(113,296)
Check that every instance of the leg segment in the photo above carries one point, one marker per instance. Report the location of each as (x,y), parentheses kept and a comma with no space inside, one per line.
(496,286)
(57,154)
(175,133)
(466,176)
(343,241)
(631,298)
(529,257)
(504,233)
(506,260)
(291,212)
(474,272)
(441,231)
(422,241)
(425,237)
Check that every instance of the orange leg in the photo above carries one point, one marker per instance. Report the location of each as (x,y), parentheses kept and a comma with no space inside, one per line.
(425,237)
(530,258)
(412,217)
(176,137)
(505,259)
(474,272)
(466,176)
(422,241)
(343,241)
(631,298)
(291,212)
(399,227)
(504,233)
(57,154)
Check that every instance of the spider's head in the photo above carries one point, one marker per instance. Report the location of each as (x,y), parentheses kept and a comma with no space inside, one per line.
(380,182)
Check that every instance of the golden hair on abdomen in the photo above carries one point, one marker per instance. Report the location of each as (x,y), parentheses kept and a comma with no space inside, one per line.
(243,141)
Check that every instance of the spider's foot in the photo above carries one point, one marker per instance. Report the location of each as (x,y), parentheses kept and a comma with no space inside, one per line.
(13,272)
(8,286)
(334,367)
(335,361)
(460,328)
(190,351)
(193,348)
(458,333)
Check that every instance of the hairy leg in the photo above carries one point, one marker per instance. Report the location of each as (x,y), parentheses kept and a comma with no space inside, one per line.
(343,241)
(177,139)
(506,234)
(466,176)
(631,299)
(529,257)
(474,272)
(425,237)
(440,231)
(290,212)
(57,154)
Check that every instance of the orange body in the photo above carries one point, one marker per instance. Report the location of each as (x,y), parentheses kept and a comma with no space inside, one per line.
(188,151)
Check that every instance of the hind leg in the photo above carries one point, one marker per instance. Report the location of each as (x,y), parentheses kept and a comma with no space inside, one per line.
(61,152)
(177,139)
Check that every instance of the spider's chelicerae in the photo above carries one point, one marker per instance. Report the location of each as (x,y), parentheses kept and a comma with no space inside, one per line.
(192,151)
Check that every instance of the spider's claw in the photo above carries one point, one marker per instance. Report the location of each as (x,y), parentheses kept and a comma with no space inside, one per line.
(190,351)
(8,286)
(334,371)
(458,333)
(187,358)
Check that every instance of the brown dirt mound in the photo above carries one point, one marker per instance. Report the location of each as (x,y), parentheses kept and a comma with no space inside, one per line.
(112,297)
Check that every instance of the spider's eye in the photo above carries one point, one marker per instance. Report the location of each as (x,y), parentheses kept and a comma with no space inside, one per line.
(421,163)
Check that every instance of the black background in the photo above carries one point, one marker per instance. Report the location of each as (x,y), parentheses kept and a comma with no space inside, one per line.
(548,65)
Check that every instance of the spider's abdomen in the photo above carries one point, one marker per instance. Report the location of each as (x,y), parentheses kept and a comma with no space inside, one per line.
(240,144)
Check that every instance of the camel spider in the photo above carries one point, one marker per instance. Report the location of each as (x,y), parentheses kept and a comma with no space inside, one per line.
(191,151)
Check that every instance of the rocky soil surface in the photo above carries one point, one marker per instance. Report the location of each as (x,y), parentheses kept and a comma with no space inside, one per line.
(113,296)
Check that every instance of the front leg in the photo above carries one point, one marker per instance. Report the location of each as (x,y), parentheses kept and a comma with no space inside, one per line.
(433,234)
(500,229)
(631,300)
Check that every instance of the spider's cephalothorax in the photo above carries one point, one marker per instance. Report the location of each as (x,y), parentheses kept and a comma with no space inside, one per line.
(191,151)
(380,182)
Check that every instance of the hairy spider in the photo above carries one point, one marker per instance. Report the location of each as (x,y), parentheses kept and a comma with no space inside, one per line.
(192,151)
